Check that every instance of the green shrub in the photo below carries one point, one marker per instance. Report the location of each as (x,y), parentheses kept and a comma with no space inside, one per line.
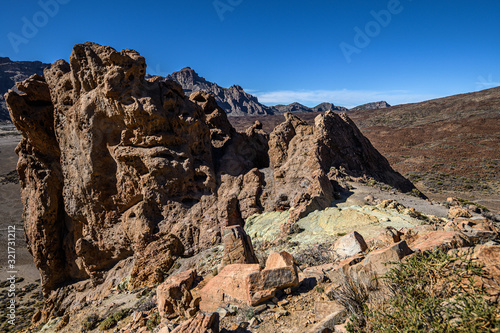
(153,321)
(431,292)
(90,322)
(249,313)
(107,323)
(113,320)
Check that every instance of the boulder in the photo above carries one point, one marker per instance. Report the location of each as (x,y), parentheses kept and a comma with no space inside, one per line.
(262,286)
(238,248)
(378,261)
(350,245)
(173,295)
(279,259)
(229,285)
(486,256)
(387,236)
(442,240)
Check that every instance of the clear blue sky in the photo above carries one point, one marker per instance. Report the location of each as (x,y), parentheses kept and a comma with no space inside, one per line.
(281,51)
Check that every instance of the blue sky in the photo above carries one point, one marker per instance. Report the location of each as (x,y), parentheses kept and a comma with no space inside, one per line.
(347,52)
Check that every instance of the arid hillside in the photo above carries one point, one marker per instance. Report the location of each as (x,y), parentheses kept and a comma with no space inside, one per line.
(447,146)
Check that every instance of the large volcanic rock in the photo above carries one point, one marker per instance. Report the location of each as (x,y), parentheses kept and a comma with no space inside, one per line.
(123,174)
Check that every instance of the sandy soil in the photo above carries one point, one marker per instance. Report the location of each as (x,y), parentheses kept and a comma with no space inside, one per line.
(11,215)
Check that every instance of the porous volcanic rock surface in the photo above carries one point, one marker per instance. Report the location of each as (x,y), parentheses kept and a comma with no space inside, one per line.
(123,174)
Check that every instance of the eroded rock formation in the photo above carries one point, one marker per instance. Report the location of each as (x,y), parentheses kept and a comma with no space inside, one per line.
(115,167)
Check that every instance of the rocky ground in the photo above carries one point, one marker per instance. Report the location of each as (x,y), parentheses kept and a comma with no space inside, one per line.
(307,306)
(303,308)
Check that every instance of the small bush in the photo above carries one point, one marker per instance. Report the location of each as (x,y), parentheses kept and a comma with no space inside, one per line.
(113,320)
(90,322)
(249,313)
(352,294)
(153,321)
(316,255)
(107,323)
(431,292)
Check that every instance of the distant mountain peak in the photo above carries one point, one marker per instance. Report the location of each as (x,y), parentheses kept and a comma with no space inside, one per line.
(297,107)
(234,100)
(372,106)
(12,72)
(237,87)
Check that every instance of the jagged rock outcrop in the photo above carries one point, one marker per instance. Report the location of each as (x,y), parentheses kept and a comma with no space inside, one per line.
(372,106)
(12,72)
(238,248)
(308,159)
(115,168)
(234,100)
(297,107)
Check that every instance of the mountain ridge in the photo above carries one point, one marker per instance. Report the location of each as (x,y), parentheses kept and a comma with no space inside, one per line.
(235,101)
(15,71)
(372,106)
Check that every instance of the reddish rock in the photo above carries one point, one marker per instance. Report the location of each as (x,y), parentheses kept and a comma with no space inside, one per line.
(443,240)
(147,272)
(377,261)
(229,285)
(390,235)
(238,248)
(470,225)
(279,259)
(488,256)
(173,295)
(262,286)
(385,238)
(62,323)
(485,225)
(202,323)
(350,245)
